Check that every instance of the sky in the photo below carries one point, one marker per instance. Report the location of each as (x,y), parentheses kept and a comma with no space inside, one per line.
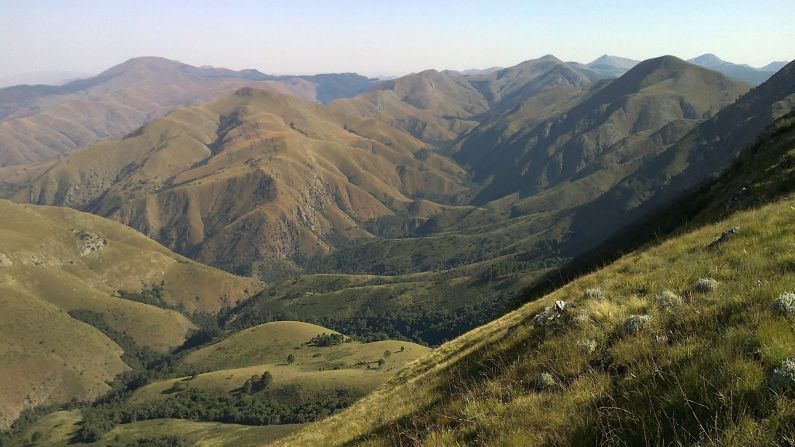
(383,37)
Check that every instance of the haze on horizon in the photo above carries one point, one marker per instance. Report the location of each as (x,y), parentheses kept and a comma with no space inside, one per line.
(382,38)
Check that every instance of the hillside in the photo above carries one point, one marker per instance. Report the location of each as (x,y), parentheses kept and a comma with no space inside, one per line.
(650,347)
(254,177)
(592,137)
(75,275)
(39,122)
(685,166)
(331,376)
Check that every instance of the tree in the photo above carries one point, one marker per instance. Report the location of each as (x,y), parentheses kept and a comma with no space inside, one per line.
(291,358)
(248,387)
(265,379)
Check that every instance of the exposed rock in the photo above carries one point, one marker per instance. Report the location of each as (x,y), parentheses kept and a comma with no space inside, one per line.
(88,243)
(723,238)
(783,379)
(594,293)
(5,261)
(785,304)
(550,314)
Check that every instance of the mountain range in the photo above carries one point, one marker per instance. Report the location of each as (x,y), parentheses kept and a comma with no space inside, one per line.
(318,231)
(40,121)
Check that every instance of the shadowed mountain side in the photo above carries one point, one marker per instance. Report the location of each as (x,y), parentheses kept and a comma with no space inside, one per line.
(607,130)
(706,151)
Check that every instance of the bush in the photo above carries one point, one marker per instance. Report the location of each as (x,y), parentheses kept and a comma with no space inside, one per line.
(636,323)
(785,304)
(588,345)
(705,285)
(324,340)
(545,381)
(594,293)
(667,299)
(783,379)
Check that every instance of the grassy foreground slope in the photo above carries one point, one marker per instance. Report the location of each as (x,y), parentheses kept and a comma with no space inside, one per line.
(675,344)
(56,263)
(699,369)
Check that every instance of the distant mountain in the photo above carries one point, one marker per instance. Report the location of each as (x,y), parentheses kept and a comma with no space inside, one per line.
(612,66)
(39,122)
(480,71)
(591,135)
(42,78)
(742,72)
(774,66)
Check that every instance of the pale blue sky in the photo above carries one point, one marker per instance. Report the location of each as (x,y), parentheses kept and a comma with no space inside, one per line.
(383,37)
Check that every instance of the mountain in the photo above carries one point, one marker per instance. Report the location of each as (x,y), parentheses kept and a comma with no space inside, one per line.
(39,122)
(42,77)
(707,150)
(255,177)
(745,73)
(589,136)
(63,277)
(774,66)
(683,326)
(612,66)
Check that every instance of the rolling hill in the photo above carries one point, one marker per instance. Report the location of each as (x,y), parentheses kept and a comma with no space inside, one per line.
(342,370)
(39,121)
(57,268)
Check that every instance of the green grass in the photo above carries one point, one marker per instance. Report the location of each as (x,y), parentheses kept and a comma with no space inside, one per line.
(57,429)
(316,371)
(692,377)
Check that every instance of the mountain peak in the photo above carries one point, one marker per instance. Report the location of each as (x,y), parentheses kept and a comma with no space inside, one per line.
(707,60)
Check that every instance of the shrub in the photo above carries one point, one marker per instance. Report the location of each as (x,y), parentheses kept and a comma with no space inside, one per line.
(588,345)
(783,379)
(636,323)
(785,304)
(705,285)
(667,299)
(594,293)
(545,381)
(291,358)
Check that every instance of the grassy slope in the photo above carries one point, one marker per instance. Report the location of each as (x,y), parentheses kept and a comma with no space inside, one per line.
(699,373)
(317,371)
(42,281)
(57,428)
